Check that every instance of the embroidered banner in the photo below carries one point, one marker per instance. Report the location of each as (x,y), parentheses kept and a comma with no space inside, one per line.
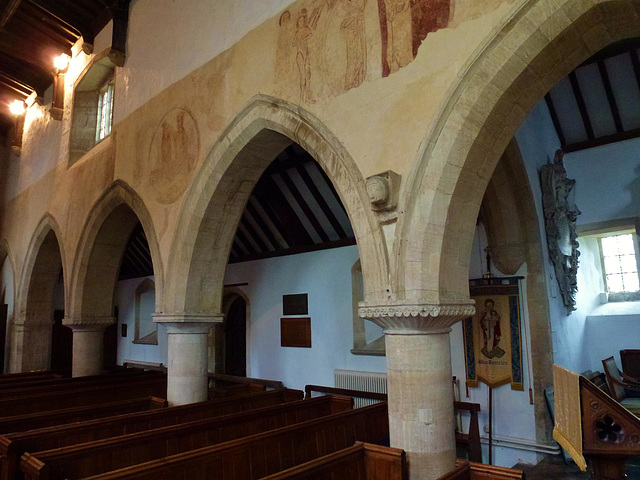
(493,347)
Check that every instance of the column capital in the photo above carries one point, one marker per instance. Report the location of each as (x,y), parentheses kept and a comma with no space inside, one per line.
(194,323)
(88,324)
(416,318)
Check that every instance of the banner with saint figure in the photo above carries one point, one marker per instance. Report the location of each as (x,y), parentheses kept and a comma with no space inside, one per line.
(493,350)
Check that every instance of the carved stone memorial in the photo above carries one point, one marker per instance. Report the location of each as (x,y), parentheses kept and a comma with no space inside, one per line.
(560,213)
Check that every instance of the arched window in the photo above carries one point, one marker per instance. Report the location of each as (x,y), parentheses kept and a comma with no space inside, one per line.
(145,305)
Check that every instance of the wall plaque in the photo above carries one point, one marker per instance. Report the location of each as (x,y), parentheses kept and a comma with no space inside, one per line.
(295,332)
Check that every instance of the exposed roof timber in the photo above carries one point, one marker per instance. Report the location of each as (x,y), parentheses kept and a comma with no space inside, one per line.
(8,12)
(600,97)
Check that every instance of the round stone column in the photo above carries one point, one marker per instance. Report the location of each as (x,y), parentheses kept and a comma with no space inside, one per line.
(421,419)
(88,344)
(30,343)
(187,380)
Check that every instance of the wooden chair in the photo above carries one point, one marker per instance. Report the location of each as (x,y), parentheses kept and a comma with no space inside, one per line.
(620,384)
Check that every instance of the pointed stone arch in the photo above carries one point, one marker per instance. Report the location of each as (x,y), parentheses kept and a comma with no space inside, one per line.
(539,44)
(102,243)
(33,317)
(6,256)
(217,197)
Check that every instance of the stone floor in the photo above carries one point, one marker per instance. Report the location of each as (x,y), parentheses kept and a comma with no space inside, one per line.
(555,468)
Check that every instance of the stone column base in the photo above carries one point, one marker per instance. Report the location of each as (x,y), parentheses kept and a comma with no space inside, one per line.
(187,380)
(88,344)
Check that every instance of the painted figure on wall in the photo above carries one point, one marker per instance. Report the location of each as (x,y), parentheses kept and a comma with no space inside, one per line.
(352,28)
(491,332)
(404,24)
(301,43)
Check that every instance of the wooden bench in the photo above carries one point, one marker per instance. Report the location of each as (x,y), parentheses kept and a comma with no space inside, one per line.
(13,445)
(479,471)
(362,461)
(12,380)
(234,390)
(221,379)
(471,440)
(30,421)
(43,387)
(143,387)
(250,457)
(92,458)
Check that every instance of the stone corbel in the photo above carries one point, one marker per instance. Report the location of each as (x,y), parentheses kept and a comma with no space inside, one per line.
(87,324)
(383,190)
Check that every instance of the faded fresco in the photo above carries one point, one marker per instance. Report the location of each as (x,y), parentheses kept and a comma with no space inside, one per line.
(173,155)
(324,45)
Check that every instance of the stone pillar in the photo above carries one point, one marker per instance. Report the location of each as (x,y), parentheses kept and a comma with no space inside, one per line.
(421,419)
(187,380)
(31,343)
(88,344)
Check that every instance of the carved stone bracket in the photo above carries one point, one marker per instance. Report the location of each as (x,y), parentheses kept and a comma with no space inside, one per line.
(88,323)
(560,213)
(188,323)
(416,318)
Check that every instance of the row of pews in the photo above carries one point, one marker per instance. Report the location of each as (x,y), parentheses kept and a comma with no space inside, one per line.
(117,426)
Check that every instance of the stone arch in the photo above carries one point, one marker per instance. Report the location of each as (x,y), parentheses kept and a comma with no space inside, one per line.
(6,256)
(33,318)
(539,44)
(216,198)
(102,243)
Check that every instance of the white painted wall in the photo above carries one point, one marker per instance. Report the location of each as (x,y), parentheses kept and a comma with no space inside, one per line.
(189,33)
(513,416)
(326,276)
(127,350)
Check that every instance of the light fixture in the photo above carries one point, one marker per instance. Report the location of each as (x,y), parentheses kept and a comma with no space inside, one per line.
(61,62)
(17,107)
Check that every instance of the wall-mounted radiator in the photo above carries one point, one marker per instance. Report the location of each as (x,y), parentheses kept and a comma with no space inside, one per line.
(364,381)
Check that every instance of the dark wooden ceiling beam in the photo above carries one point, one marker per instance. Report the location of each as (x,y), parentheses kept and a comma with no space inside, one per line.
(598,142)
(247,245)
(42,26)
(26,73)
(255,236)
(555,119)
(295,250)
(50,18)
(613,105)
(8,12)
(251,210)
(302,203)
(120,14)
(582,106)
(16,87)
(306,178)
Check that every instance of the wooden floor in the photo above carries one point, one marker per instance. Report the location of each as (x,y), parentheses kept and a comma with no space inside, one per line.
(555,468)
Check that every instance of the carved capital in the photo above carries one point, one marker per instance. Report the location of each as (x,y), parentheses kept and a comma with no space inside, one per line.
(88,324)
(188,323)
(416,318)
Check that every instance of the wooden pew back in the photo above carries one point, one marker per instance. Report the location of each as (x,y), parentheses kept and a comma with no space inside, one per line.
(255,456)
(91,458)
(131,388)
(362,461)
(479,471)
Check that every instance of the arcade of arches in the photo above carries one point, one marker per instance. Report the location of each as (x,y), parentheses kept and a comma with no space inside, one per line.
(422,132)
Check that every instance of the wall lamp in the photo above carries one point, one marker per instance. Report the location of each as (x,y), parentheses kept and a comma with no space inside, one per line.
(61,64)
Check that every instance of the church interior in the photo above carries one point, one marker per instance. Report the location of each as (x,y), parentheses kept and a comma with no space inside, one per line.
(214,205)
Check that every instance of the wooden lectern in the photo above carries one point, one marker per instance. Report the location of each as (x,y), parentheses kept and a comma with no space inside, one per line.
(593,427)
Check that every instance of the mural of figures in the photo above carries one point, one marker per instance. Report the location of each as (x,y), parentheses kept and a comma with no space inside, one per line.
(301,44)
(404,24)
(355,43)
(173,155)
(491,332)
(322,44)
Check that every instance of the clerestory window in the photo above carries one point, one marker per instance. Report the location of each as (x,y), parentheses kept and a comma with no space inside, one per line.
(105,111)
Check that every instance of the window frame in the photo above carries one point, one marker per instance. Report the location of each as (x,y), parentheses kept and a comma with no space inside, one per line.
(620,296)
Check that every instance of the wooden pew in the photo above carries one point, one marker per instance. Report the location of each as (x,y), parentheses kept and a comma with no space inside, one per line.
(249,457)
(470,440)
(479,471)
(42,387)
(221,379)
(30,421)
(13,445)
(11,380)
(91,458)
(362,461)
(234,390)
(133,388)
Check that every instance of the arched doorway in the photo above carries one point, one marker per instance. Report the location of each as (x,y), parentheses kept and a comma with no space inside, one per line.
(235,335)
